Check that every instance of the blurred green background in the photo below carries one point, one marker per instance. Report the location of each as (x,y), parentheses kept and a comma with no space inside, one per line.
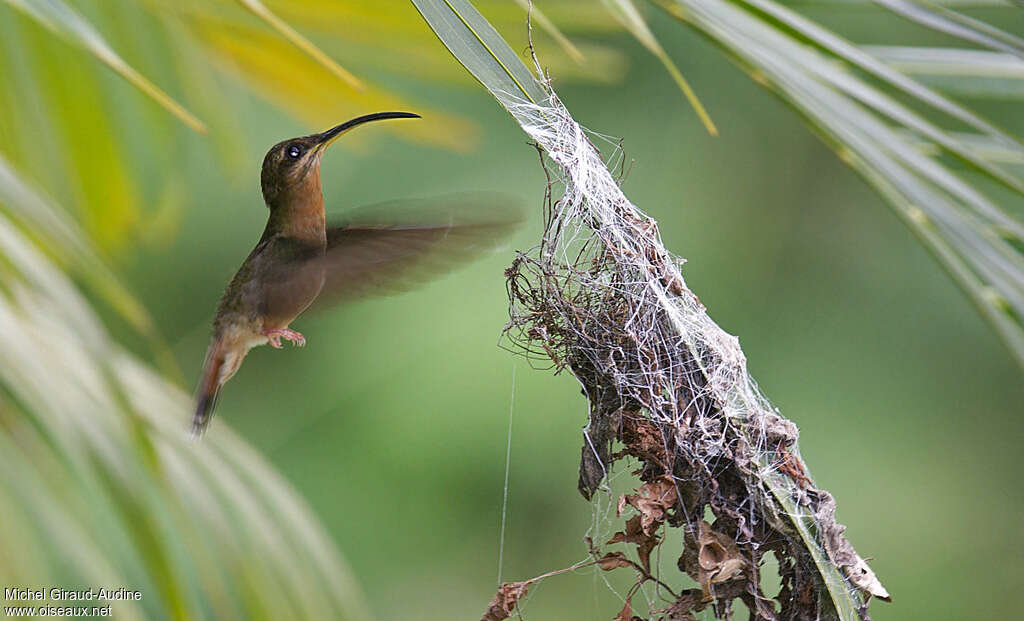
(393,421)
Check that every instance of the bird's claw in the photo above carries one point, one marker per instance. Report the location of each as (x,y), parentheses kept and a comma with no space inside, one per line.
(274,338)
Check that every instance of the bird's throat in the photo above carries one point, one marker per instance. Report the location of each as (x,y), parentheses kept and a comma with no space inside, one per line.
(298,212)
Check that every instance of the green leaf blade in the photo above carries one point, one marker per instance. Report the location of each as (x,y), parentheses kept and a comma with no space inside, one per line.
(475,43)
(65,22)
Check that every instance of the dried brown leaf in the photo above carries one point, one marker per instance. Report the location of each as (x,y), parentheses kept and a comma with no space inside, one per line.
(864,579)
(634,534)
(688,602)
(626,614)
(622,505)
(653,501)
(718,557)
(841,551)
(643,440)
(613,560)
(506,600)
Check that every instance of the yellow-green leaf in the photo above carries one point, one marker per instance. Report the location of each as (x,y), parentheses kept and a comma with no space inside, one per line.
(628,15)
(260,10)
(72,27)
(287,77)
(552,30)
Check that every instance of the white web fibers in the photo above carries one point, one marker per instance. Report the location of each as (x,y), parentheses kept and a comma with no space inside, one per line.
(602,296)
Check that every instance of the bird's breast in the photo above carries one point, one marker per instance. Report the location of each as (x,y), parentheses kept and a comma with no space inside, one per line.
(286,298)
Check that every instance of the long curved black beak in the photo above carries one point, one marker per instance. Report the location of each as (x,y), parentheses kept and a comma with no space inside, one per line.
(324,139)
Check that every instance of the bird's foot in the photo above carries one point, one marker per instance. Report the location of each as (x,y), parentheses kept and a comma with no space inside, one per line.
(274,337)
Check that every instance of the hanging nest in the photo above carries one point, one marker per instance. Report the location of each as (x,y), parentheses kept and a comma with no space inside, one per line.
(601,297)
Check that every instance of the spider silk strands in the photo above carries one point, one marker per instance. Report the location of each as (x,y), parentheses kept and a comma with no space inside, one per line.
(508,468)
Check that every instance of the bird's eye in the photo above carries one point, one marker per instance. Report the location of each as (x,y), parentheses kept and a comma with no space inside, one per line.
(294,151)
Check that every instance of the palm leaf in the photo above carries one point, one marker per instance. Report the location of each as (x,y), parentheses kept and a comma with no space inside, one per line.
(289,78)
(553,31)
(72,27)
(975,240)
(971,73)
(627,14)
(66,242)
(260,10)
(481,50)
(946,20)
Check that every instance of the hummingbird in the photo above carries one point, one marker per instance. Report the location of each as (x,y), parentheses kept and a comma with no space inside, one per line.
(301,259)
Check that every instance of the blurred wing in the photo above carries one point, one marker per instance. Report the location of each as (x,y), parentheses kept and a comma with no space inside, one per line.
(396,246)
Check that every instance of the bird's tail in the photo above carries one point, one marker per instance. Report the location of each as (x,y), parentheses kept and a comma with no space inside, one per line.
(209,388)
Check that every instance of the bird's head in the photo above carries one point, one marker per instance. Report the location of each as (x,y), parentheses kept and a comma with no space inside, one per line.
(291,166)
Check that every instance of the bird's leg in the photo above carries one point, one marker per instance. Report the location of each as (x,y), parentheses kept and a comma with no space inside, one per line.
(275,336)
(273,339)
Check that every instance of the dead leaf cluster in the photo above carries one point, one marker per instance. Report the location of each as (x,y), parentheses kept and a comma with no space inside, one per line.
(652,501)
(718,558)
(506,600)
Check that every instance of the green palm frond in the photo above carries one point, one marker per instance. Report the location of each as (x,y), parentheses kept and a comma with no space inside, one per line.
(958,71)
(854,99)
(549,27)
(627,14)
(65,242)
(67,23)
(946,20)
(260,10)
